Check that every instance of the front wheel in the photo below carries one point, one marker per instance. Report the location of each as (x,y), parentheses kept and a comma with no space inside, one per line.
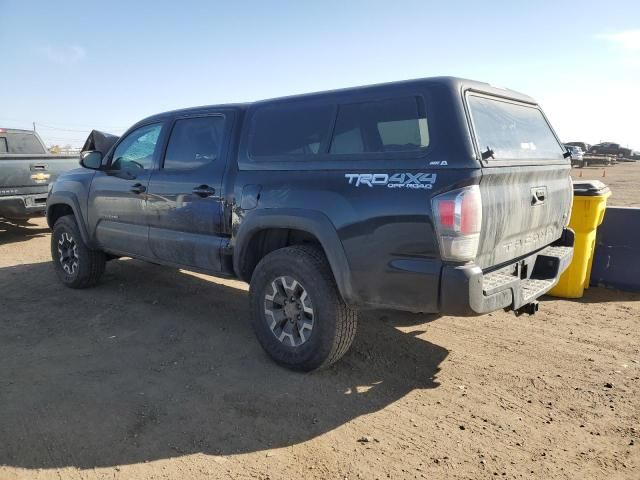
(76,265)
(297,312)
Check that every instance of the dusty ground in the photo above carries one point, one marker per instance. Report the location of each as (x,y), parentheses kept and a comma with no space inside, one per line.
(155,374)
(623,178)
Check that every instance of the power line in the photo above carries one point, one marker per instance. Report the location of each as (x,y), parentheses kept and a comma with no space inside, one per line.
(67,128)
(52,127)
(42,125)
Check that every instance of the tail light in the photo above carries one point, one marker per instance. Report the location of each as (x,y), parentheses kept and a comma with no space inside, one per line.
(458,220)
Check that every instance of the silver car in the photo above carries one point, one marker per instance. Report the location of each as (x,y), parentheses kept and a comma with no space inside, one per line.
(577,155)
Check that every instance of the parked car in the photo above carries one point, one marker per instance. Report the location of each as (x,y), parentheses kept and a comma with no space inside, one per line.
(609,148)
(577,155)
(386,196)
(584,146)
(591,159)
(26,169)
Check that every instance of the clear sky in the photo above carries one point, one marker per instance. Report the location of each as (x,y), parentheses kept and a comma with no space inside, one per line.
(77,65)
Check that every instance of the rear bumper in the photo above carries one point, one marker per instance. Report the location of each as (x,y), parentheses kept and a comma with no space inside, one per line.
(23,206)
(467,290)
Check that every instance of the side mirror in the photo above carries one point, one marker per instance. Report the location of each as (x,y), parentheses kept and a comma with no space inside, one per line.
(91,159)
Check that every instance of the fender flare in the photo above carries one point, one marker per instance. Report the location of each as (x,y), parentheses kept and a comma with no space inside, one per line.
(310,221)
(71,200)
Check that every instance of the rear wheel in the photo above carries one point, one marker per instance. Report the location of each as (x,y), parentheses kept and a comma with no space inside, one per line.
(297,312)
(76,265)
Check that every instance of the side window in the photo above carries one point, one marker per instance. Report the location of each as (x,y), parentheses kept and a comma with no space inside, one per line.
(290,130)
(137,149)
(347,134)
(3,145)
(194,142)
(393,125)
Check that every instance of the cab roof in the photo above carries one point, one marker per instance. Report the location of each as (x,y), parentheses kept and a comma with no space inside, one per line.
(452,83)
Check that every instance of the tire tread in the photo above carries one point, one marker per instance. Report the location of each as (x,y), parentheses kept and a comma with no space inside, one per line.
(96,259)
(345,318)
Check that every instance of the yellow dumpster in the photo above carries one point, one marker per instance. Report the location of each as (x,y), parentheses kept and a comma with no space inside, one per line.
(589,204)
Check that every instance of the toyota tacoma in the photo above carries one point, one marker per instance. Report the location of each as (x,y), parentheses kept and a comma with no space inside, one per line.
(437,195)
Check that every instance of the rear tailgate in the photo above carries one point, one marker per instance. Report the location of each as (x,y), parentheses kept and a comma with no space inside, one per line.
(26,174)
(526,184)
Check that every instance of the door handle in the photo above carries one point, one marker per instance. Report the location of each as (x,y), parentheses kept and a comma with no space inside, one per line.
(204,191)
(538,195)
(138,188)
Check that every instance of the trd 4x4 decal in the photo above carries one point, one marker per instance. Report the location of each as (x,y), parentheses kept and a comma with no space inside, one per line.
(397,180)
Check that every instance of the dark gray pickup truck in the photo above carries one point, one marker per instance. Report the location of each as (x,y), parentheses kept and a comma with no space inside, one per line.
(438,195)
(26,170)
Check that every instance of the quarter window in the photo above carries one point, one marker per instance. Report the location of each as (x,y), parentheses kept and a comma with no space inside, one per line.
(3,145)
(291,130)
(137,149)
(194,142)
(393,125)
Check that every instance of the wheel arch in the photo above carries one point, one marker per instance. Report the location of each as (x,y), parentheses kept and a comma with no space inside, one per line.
(314,226)
(65,203)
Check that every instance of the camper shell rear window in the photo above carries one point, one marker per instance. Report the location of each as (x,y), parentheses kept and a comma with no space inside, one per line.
(508,130)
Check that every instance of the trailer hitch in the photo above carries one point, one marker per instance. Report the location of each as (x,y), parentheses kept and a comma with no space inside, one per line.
(529,309)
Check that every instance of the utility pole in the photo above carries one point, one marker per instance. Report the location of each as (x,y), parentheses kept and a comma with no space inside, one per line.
(34,126)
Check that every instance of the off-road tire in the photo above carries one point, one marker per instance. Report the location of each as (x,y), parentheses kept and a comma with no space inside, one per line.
(334,323)
(90,263)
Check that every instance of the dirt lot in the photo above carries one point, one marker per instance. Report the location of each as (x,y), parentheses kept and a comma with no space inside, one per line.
(155,373)
(623,178)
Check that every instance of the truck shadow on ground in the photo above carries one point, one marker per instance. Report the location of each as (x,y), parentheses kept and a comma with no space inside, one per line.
(154,363)
(12,231)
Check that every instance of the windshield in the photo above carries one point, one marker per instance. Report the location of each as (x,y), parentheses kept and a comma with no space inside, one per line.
(512,131)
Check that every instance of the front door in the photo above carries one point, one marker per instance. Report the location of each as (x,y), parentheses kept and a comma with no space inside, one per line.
(118,197)
(184,195)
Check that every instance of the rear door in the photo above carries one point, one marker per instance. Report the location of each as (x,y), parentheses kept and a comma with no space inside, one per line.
(184,198)
(526,188)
